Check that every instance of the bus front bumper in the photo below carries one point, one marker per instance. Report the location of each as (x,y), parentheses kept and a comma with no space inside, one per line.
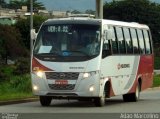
(83,88)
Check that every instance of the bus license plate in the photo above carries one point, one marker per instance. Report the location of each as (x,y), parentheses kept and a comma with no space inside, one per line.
(61,82)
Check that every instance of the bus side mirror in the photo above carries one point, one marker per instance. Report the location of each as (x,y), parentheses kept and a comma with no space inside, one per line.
(33,34)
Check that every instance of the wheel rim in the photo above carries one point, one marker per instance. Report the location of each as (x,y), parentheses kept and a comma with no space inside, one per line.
(137,91)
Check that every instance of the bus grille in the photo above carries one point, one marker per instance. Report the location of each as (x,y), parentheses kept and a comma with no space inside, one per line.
(62,75)
(62,87)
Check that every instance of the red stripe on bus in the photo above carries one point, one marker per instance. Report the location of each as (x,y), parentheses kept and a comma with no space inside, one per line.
(36,64)
(144,73)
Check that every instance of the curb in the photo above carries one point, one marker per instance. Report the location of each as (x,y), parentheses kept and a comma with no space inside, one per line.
(157,72)
(154,88)
(18,101)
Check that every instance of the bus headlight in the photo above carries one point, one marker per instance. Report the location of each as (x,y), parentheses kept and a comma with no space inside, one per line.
(91,89)
(88,74)
(39,74)
(35,88)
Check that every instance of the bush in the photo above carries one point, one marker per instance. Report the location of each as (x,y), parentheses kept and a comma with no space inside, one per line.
(2,76)
(21,83)
(157,51)
(5,72)
(156,81)
(11,44)
(16,84)
(23,25)
(22,66)
(157,63)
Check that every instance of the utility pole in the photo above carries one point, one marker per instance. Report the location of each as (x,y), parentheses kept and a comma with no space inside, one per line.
(99,9)
(31,25)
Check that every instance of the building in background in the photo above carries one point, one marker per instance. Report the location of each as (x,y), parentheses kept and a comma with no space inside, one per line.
(59,14)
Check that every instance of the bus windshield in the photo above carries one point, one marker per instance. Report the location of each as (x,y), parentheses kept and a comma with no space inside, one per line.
(68,40)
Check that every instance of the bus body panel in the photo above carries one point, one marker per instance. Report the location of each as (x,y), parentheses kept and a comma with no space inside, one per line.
(145,71)
(122,71)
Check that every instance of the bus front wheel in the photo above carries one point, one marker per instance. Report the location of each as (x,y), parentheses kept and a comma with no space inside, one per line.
(45,100)
(100,101)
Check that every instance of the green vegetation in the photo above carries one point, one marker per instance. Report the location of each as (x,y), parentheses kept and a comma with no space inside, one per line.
(157,63)
(14,83)
(11,45)
(15,96)
(17,87)
(17,4)
(156,81)
(23,25)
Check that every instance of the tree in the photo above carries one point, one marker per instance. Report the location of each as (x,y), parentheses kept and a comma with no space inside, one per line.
(90,12)
(76,12)
(24,27)
(14,4)
(141,11)
(18,4)
(36,5)
(10,43)
(2,3)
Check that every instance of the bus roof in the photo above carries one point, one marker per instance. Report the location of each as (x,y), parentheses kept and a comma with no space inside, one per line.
(127,24)
(84,20)
(73,20)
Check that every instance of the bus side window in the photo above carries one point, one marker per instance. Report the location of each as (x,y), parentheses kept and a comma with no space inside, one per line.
(114,42)
(147,42)
(106,48)
(135,41)
(129,46)
(141,41)
(121,41)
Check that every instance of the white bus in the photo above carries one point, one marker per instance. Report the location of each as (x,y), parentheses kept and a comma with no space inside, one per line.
(91,59)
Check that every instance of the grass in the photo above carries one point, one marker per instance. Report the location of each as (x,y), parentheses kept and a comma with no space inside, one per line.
(15,96)
(156,81)
(13,86)
(8,70)
(17,87)
(157,62)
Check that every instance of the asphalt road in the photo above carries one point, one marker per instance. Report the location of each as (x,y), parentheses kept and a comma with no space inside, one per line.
(149,103)
(115,108)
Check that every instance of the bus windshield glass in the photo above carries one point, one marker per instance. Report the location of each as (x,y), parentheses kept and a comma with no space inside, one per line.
(68,40)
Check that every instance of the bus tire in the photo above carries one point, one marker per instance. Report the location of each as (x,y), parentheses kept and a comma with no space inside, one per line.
(100,101)
(133,97)
(45,100)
